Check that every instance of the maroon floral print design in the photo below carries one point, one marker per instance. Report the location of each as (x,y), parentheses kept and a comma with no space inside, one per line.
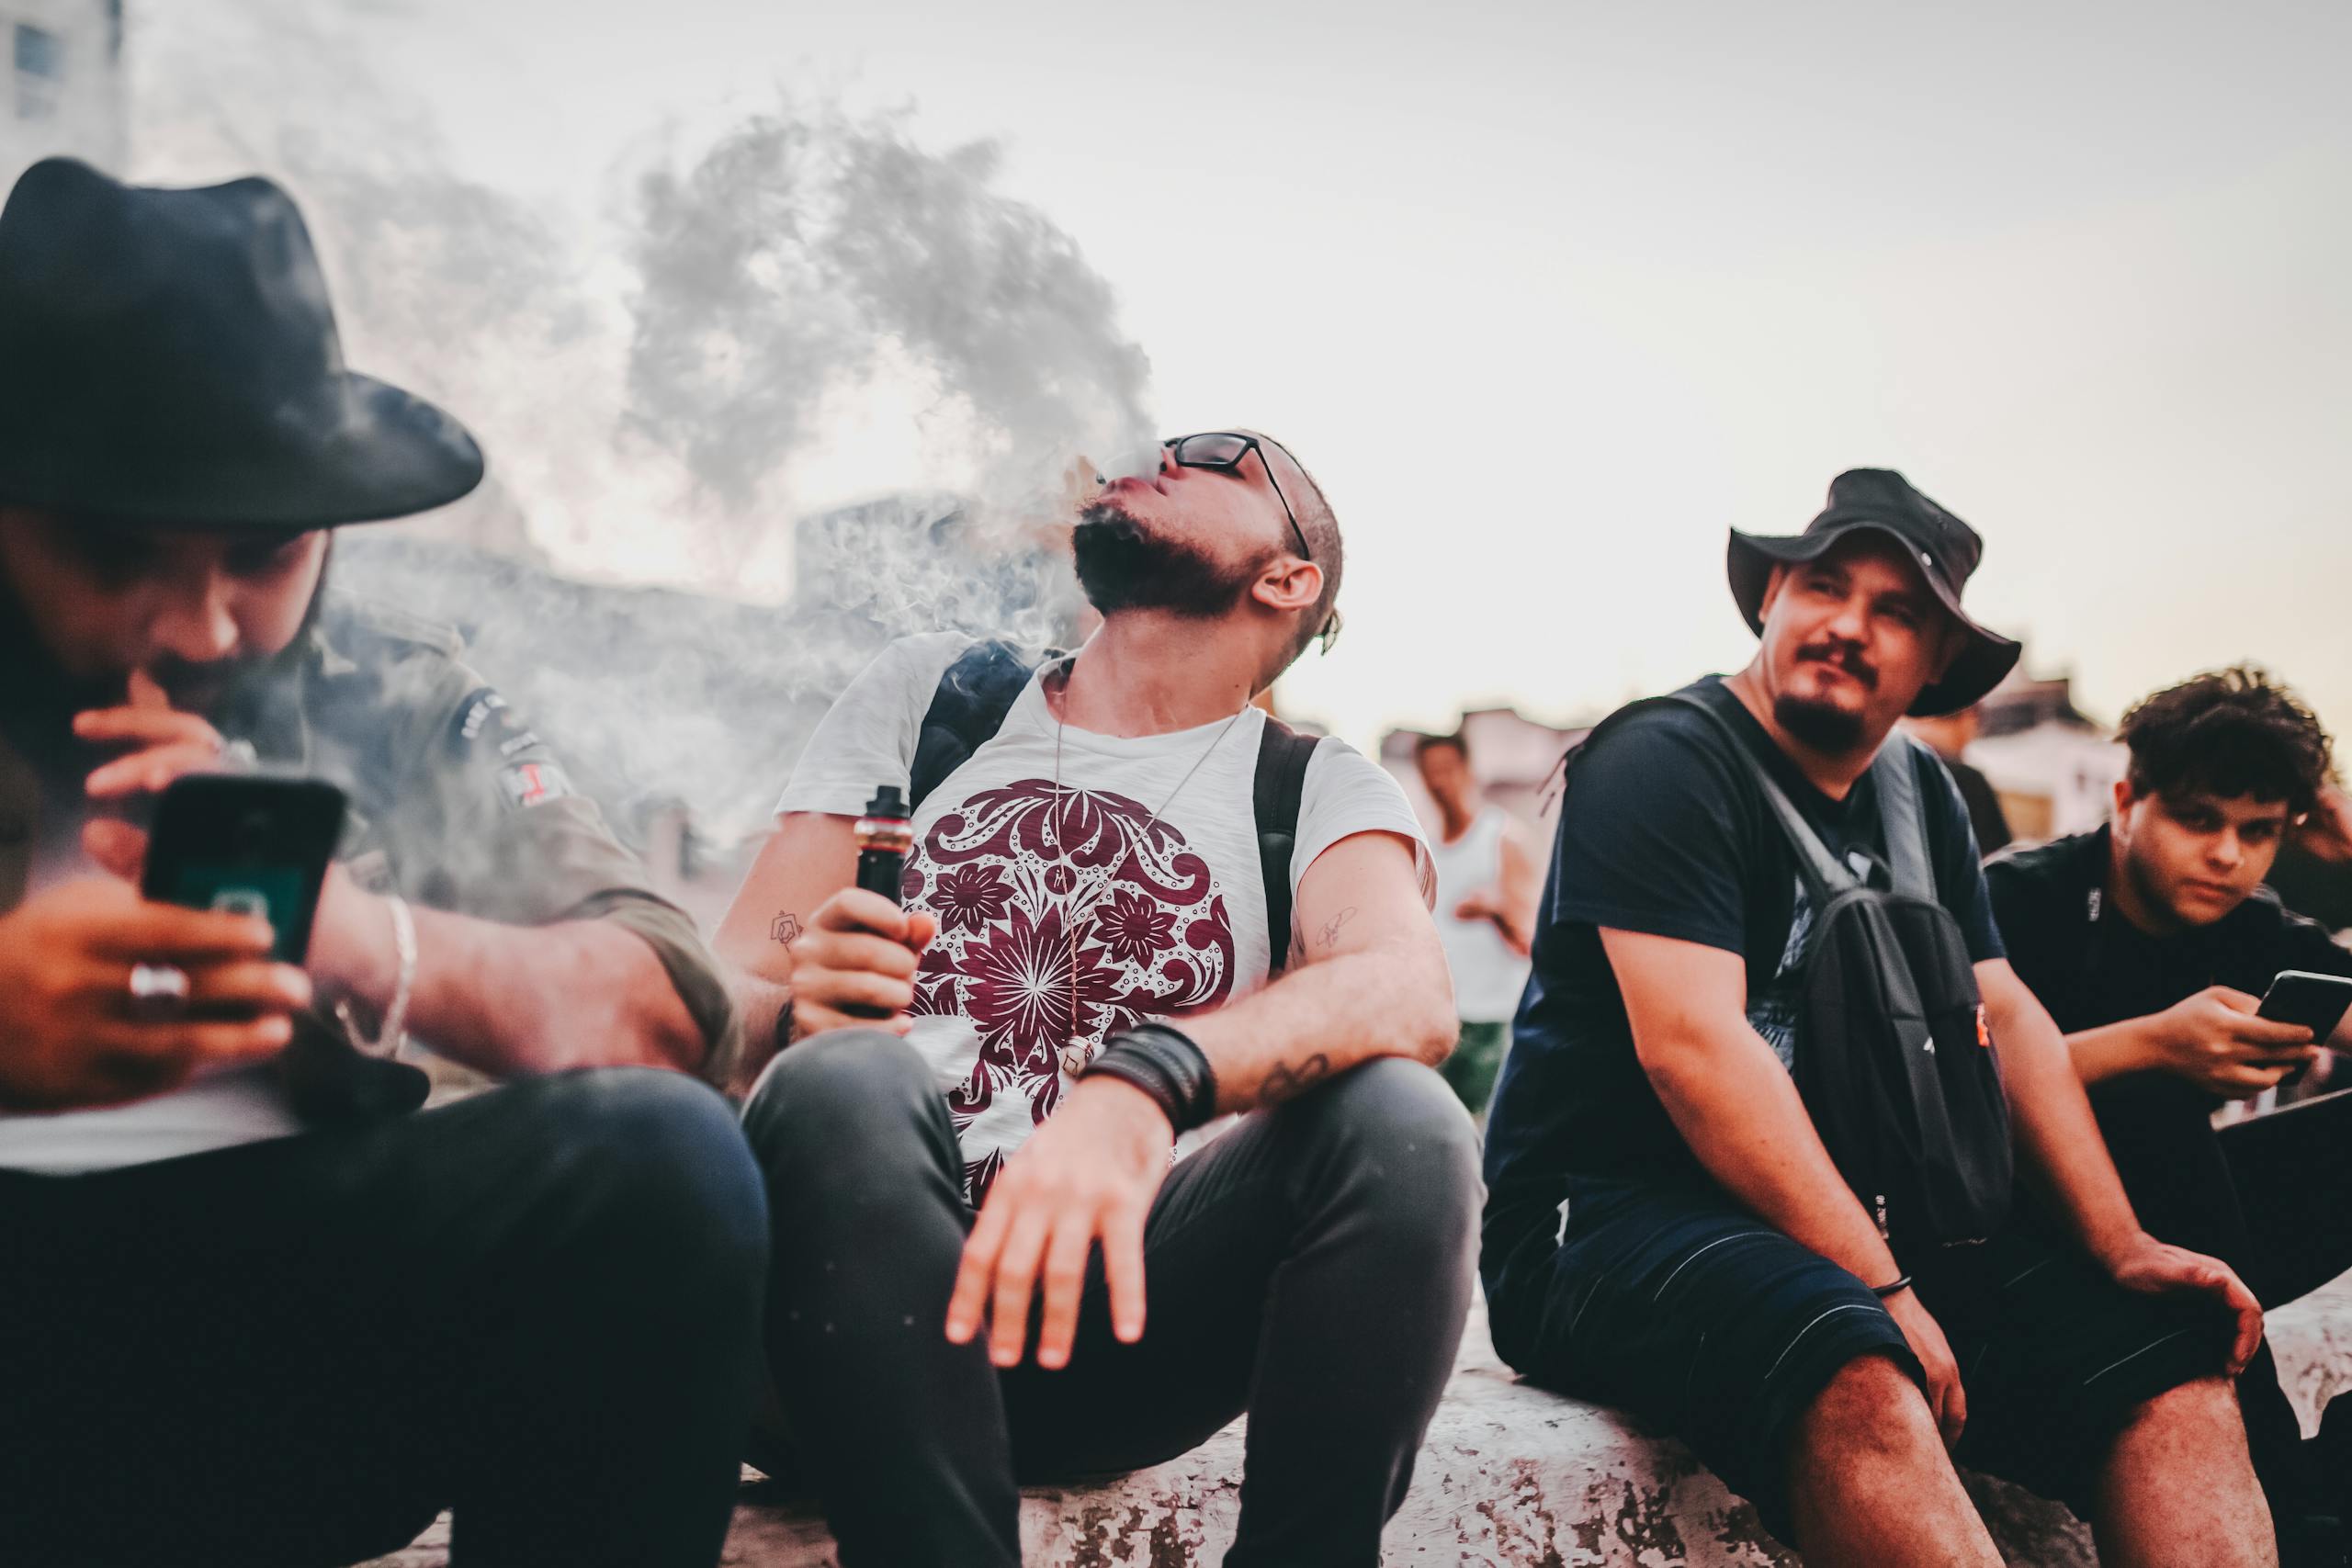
(1022,990)
(1004,873)
(969,898)
(1135,928)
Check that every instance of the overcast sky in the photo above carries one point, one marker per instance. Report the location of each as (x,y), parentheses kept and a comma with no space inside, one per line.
(1549,295)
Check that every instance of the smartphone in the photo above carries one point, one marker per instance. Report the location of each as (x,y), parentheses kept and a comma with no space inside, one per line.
(253,845)
(2316,1001)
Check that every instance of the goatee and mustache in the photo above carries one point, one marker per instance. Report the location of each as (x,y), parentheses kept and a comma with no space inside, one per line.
(1824,726)
(1122,565)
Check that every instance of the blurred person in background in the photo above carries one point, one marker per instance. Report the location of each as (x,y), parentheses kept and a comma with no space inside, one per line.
(2152,941)
(256,1307)
(1950,735)
(1487,884)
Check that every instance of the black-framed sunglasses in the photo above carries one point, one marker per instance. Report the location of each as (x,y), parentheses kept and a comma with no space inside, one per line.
(1224,449)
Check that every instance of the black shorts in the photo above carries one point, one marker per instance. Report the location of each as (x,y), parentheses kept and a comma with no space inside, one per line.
(1693,1315)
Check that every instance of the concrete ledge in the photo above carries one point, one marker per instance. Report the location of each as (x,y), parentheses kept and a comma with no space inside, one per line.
(1511,1477)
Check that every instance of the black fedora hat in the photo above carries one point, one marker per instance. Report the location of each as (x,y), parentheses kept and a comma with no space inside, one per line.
(169,358)
(1947,549)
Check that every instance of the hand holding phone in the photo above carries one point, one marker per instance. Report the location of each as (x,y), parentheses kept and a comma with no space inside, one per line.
(2217,1041)
(248,844)
(70,1034)
(2316,1001)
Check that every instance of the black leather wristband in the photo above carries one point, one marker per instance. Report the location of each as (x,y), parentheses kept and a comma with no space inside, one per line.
(1165,1064)
(1900,1285)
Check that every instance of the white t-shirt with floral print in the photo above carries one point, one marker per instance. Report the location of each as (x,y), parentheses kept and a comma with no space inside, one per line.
(1070,913)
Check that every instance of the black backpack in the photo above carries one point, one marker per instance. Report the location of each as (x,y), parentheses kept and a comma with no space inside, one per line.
(1893,1059)
(978,690)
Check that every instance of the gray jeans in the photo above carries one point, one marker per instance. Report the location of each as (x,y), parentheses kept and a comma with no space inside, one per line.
(1312,1267)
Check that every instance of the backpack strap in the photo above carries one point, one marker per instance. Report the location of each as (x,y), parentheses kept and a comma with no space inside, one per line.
(1825,874)
(1901,815)
(1275,794)
(968,707)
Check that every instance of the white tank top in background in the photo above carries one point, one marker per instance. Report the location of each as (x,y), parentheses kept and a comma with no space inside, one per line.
(1488,975)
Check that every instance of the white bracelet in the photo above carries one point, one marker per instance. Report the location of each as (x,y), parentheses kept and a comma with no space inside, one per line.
(392,1032)
(395,1033)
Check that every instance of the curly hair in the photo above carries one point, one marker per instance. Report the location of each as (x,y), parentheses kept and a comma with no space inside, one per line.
(2228,733)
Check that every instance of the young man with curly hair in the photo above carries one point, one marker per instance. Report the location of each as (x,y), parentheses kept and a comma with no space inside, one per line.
(2151,942)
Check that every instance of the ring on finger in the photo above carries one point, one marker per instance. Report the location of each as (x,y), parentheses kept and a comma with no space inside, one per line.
(158,990)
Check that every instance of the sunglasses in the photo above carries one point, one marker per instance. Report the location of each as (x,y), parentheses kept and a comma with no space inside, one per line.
(1223,450)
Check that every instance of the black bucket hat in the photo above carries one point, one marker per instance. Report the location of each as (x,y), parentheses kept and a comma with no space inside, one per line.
(170,357)
(1947,551)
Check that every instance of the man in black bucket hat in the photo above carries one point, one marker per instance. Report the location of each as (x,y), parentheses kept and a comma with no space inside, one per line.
(1947,551)
(255,1307)
(1668,1228)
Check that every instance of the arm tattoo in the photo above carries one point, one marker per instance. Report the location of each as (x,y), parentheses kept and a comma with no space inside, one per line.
(785,928)
(1331,927)
(1286,1079)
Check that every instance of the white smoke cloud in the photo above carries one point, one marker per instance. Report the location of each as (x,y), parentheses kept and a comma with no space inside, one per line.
(655,384)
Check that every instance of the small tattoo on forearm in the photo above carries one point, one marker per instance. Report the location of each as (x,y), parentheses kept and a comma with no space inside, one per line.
(785,928)
(1331,927)
(1288,1079)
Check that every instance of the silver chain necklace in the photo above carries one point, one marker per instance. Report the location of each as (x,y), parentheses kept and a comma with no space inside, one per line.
(1076,1051)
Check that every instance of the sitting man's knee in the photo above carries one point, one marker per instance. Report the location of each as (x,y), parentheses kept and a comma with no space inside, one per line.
(1392,1134)
(2201,1413)
(654,1150)
(835,1089)
(1869,1406)
(1395,1104)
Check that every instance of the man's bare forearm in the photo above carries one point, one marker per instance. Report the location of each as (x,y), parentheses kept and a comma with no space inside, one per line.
(761,1004)
(513,1000)
(2112,1050)
(1325,1018)
(1736,1107)
(2057,1134)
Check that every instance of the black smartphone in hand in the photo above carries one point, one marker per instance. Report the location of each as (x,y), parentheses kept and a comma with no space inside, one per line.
(251,844)
(2316,1001)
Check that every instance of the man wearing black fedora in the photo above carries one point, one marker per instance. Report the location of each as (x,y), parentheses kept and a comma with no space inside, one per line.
(255,1306)
(1680,1220)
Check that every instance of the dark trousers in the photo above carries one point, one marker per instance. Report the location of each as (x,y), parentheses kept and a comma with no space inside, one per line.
(1313,1266)
(538,1306)
(2274,1202)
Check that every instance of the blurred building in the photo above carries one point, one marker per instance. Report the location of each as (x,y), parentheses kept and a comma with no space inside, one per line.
(65,90)
(2055,768)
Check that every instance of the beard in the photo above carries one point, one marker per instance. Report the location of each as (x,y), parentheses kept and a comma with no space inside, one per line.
(1122,565)
(1825,726)
(47,690)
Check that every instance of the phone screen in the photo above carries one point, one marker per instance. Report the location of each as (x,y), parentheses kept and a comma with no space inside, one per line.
(248,844)
(275,891)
